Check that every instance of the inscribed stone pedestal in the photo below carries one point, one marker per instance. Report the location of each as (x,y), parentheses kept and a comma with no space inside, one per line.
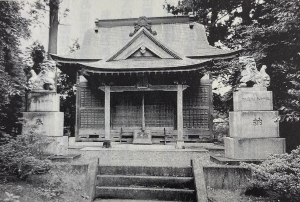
(253,124)
(43,102)
(252,100)
(52,123)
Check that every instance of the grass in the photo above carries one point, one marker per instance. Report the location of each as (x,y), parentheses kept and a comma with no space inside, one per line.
(220,195)
(61,184)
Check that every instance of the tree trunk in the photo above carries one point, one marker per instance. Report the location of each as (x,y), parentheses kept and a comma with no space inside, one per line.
(246,8)
(53,26)
(212,38)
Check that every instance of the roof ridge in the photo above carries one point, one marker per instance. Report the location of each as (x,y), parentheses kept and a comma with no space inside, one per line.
(131,21)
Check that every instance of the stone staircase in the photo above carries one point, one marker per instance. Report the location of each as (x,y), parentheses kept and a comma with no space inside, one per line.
(144,183)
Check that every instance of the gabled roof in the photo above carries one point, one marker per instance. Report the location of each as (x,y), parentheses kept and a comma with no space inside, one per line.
(175,40)
(144,39)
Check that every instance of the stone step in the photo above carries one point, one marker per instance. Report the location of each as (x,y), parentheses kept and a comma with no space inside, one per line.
(146,171)
(145,181)
(127,200)
(164,194)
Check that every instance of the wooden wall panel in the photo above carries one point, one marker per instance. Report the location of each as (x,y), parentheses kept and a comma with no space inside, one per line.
(90,113)
(197,108)
(126,110)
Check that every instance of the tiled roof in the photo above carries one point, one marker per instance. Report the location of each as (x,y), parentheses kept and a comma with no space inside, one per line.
(154,64)
(179,37)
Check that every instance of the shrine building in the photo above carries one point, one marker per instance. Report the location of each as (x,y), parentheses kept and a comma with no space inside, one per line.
(141,81)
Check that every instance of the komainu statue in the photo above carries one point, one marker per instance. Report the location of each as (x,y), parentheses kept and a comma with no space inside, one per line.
(250,74)
(45,80)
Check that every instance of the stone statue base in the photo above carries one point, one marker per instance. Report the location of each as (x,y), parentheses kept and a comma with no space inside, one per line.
(43,112)
(253,126)
(253,148)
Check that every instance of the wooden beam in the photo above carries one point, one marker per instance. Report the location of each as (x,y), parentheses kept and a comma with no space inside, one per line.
(179,116)
(107,112)
(149,88)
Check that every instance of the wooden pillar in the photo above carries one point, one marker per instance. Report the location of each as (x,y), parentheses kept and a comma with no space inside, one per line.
(106,142)
(143,114)
(180,142)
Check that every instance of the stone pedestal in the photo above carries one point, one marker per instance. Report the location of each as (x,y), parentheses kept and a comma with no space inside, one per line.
(43,109)
(253,148)
(253,126)
(52,122)
(252,99)
(43,102)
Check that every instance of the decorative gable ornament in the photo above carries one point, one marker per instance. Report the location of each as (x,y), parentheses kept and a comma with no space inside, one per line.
(142,22)
(144,44)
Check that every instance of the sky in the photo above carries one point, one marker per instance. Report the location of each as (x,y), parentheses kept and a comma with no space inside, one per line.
(82,16)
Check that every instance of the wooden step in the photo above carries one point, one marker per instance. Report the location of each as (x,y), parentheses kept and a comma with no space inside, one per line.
(146,171)
(145,193)
(145,181)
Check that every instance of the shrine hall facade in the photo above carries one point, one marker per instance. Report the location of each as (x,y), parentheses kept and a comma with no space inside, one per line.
(143,78)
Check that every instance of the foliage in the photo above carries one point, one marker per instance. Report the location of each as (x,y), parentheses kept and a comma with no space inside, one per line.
(68,106)
(23,156)
(273,39)
(11,197)
(221,130)
(279,176)
(38,8)
(61,183)
(223,103)
(12,79)
(75,46)
(35,56)
(218,15)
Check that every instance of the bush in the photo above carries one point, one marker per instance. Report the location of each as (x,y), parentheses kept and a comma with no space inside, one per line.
(278,176)
(23,155)
(220,129)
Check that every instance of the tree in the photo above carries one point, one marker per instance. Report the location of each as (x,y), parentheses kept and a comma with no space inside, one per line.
(13,27)
(273,39)
(51,8)
(218,15)
(12,78)
(266,29)
(53,24)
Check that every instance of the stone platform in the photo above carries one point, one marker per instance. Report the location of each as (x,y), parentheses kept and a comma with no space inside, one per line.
(142,155)
(228,161)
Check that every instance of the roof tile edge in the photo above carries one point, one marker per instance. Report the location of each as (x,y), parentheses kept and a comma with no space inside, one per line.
(154,21)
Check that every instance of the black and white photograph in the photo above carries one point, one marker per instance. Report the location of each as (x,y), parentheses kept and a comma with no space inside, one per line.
(150,100)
